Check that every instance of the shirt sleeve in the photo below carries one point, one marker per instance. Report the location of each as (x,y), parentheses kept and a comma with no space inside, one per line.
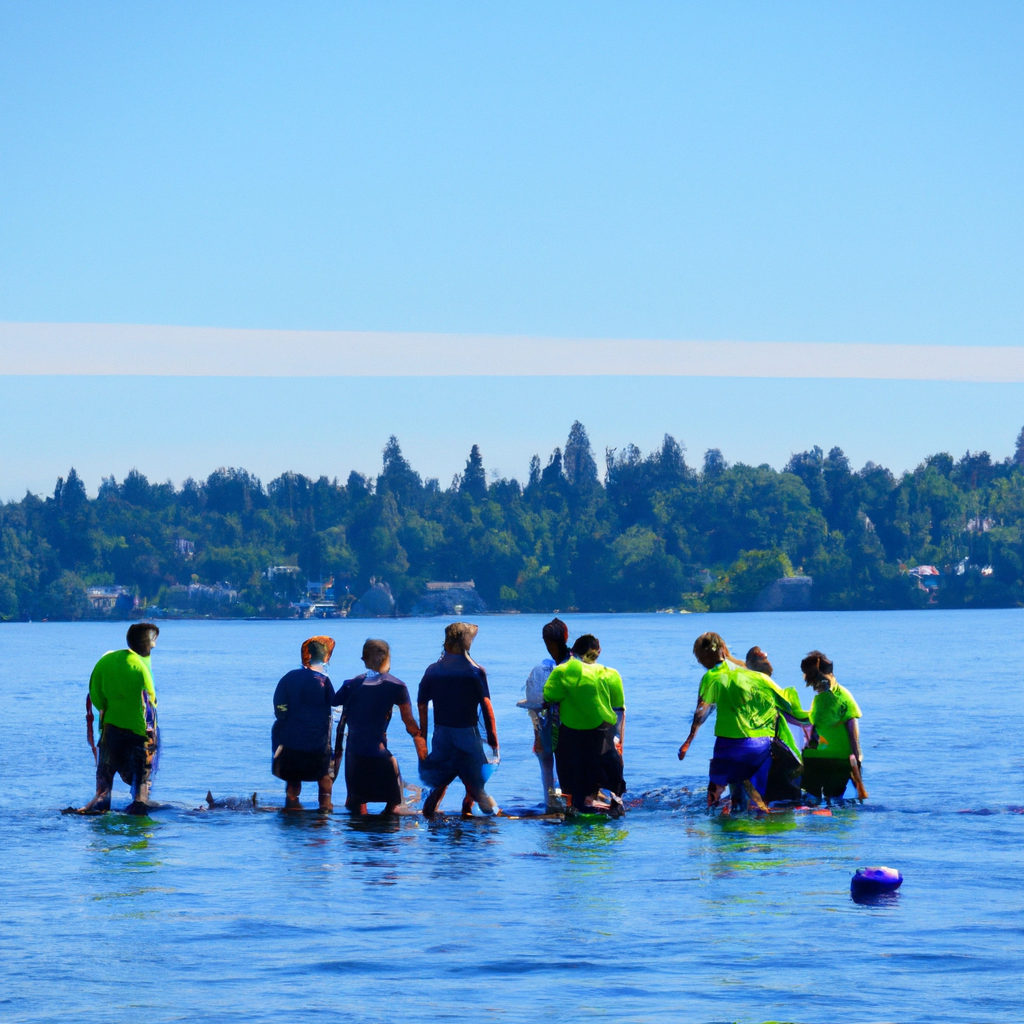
(425,690)
(343,694)
(784,704)
(281,699)
(852,707)
(711,687)
(400,694)
(96,695)
(554,688)
(615,692)
(485,693)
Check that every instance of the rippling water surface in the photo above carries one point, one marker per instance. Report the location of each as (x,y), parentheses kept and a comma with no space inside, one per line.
(667,915)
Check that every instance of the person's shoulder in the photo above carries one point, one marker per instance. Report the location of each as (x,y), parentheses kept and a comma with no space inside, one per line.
(394,680)
(611,674)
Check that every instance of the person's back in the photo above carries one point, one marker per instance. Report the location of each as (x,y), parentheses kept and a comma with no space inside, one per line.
(747,702)
(586,694)
(369,700)
(116,689)
(304,698)
(301,734)
(831,709)
(457,686)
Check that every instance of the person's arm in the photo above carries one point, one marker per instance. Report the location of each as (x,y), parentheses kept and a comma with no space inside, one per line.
(620,728)
(405,710)
(339,743)
(424,719)
(854,732)
(489,724)
(700,716)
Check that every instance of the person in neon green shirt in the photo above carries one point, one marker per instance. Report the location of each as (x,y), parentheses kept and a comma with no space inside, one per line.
(119,687)
(835,735)
(592,721)
(746,706)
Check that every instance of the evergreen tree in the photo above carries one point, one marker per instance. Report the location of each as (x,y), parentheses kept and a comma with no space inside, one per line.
(474,479)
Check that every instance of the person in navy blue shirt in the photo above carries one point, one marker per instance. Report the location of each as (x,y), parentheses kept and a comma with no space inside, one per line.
(371,770)
(301,736)
(457,687)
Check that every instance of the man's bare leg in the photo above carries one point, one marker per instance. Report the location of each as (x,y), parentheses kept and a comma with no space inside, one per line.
(714,793)
(291,796)
(324,787)
(433,799)
(99,803)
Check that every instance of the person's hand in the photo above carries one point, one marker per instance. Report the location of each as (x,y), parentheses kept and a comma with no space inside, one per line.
(683,750)
(494,749)
(421,747)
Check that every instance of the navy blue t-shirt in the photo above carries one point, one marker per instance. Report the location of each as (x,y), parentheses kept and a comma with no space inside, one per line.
(302,707)
(368,701)
(457,686)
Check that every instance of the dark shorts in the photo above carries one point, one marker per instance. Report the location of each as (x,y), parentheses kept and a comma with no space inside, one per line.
(456,754)
(737,760)
(371,780)
(588,761)
(825,776)
(121,752)
(302,765)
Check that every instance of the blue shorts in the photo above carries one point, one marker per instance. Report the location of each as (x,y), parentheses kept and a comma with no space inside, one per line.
(736,760)
(456,754)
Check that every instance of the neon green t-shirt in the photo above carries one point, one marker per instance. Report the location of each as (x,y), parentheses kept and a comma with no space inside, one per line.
(586,694)
(746,702)
(830,711)
(116,686)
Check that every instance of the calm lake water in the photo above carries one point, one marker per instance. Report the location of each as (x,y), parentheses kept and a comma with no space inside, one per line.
(667,915)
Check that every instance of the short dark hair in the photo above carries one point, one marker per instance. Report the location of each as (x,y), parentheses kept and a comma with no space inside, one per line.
(757,661)
(137,632)
(555,630)
(585,644)
(317,651)
(375,653)
(816,665)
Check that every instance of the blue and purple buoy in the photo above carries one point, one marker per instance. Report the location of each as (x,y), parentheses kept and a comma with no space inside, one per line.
(875,882)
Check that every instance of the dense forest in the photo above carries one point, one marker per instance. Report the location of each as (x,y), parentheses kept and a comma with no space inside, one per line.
(655,533)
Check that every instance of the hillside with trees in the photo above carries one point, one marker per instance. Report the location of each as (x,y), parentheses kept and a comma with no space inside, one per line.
(654,533)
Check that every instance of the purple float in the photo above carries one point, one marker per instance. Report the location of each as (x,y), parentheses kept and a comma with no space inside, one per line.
(875,881)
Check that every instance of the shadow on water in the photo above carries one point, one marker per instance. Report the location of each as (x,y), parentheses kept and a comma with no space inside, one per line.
(125,837)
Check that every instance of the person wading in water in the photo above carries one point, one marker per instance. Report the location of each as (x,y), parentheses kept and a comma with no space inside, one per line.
(371,770)
(301,736)
(120,686)
(457,687)
(747,704)
(544,715)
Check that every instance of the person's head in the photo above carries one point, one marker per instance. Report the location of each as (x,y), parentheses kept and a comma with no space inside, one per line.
(587,648)
(757,661)
(459,636)
(556,639)
(317,650)
(377,655)
(818,670)
(709,649)
(142,637)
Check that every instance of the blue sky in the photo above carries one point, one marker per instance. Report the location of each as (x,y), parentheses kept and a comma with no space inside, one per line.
(783,172)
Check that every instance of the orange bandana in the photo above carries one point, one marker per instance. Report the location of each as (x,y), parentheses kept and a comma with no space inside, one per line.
(327,641)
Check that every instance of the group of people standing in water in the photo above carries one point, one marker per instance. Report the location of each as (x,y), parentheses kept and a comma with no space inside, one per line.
(576,704)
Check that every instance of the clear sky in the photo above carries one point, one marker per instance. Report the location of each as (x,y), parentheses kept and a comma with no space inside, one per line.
(761,172)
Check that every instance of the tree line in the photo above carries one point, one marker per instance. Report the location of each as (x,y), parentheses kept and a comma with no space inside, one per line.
(654,533)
